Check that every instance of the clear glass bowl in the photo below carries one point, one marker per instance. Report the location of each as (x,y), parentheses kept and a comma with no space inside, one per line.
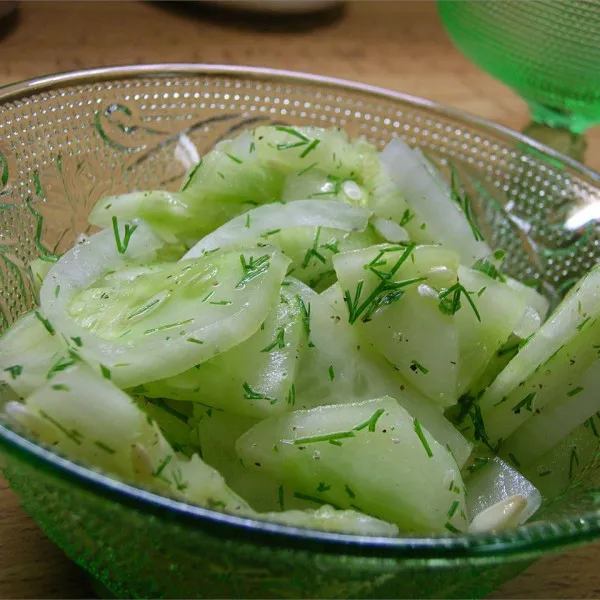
(66,140)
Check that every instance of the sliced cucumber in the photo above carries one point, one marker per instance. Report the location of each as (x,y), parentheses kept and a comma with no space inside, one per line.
(391,296)
(254,378)
(370,455)
(429,200)
(561,466)
(545,368)
(328,518)
(574,401)
(145,322)
(28,350)
(486,325)
(340,367)
(88,418)
(491,486)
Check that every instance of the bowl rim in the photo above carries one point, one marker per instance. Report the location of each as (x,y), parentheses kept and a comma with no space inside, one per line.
(527,541)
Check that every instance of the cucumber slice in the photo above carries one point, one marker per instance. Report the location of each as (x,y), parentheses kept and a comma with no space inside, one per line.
(147,322)
(532,297)
(86,417)
(28,350)
(481,334)
(389,291)
(316,185)
(339,367)
(328,518)
(545,368)
(309,232)
(561,466)
(573,403)
(430,200)
(267,221)
(416,483)
(491,484)
(254,378)
(299,150)
(226,182)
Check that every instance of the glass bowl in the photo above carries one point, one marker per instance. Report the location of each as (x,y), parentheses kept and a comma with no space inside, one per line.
(67,140)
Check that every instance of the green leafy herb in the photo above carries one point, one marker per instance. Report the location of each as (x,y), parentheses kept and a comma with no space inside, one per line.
(349,491)
(451,528)
(313,251)
(61,364)
(105,372)
(293,132)
(74,435)
(573,461)
(483,265)
(300,173)
(590,423)
(407,216)
(191,176)
(129,230)
(371,422)
(575,391)
(453,508)
(305,310)
(583,323)
(326,437)
(61,387)
(450,300)
(526,403)
(291,395)
(319,501)
(48,326)
(194,340)
(331,373)
(309,148)
(162,466)
(422,438)
(280,497)
(386,292)
(220,302)
(170,325)
(252,268)
(323,487)
(106,448)
(251,394)
(235,159)
(278,342)
(248,220)
(15,370)
(464,202)
(56,291)
(417,366)
(77,341)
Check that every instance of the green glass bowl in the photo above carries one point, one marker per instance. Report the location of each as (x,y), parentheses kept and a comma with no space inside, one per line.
(67,140)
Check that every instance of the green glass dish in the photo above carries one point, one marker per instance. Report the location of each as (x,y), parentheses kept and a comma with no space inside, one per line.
(66,140)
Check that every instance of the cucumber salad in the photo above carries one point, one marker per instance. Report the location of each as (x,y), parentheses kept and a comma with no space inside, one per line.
(314,333)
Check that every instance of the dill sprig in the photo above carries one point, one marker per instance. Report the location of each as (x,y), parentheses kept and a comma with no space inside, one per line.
(122,245)
(326,437)
(278,342)
(386,292)
(526,403)
(485,266)
(251,394)
(313,251)
(253,268)
(450,300)
(47,325)
(371,422)
(464,203)
(419,431)
(15,370)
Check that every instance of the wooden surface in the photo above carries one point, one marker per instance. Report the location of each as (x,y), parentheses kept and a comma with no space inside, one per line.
(399,45)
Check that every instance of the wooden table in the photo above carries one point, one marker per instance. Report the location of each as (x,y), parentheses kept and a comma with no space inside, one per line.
(398,45)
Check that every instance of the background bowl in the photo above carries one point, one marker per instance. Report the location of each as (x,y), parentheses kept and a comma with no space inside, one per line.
(67,140)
